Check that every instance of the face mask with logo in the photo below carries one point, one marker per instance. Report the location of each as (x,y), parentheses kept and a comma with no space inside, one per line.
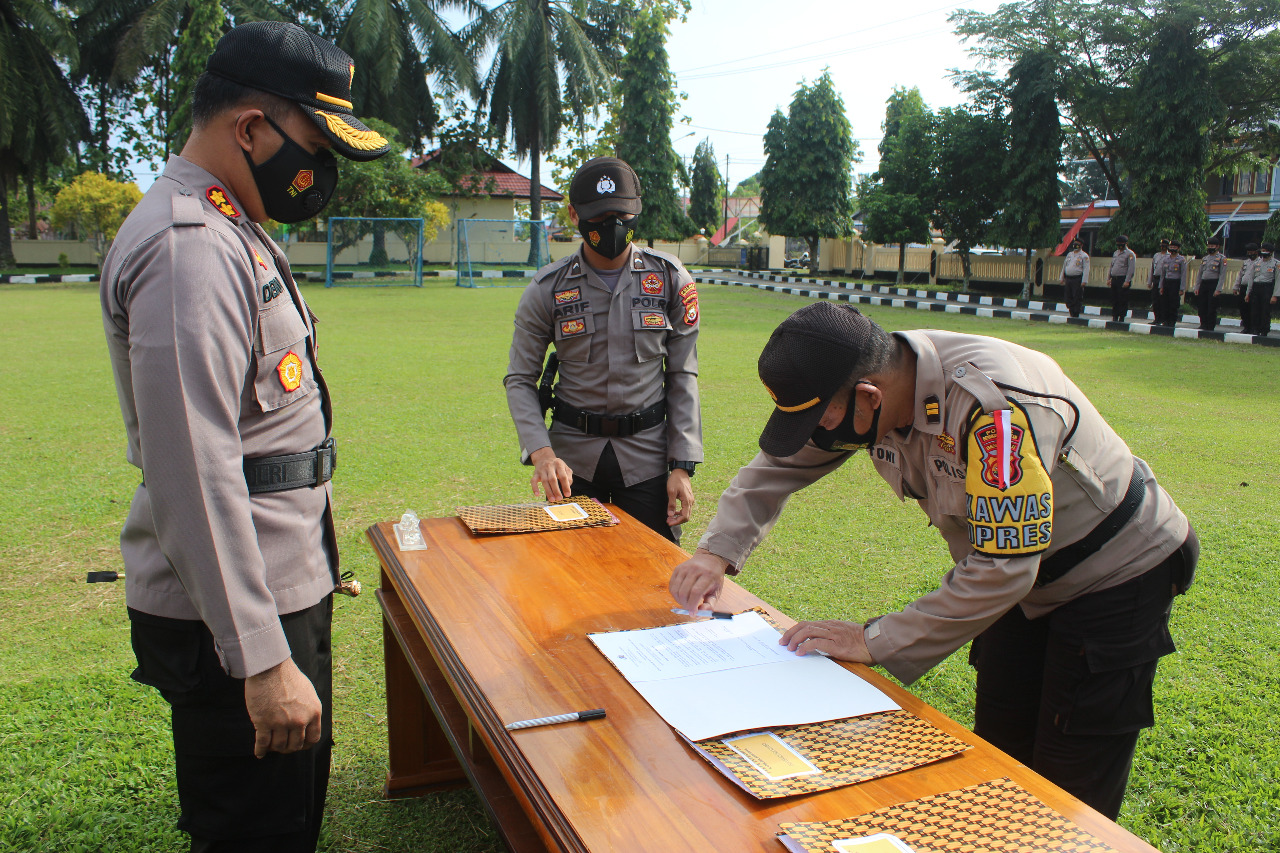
(610,237)
(294,184)
(845,436)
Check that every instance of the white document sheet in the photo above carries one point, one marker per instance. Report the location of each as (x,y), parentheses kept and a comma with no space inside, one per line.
(718,676)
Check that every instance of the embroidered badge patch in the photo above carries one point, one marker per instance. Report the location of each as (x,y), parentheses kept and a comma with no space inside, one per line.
(657,321)
(290,371)
(689,297)
(218,198)
(568,296)
(932,409)
(594,237)
(572,327)
(302,180)
(947,443)
(1009,501)
(651,285)
(260,261)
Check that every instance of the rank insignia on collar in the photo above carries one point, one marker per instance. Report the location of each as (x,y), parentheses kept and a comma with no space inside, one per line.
(637,262)
(218,198)
(290,371)
(932,410)
(260,261)
(651,285)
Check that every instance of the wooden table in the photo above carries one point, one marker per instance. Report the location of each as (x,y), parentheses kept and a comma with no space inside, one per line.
(482,631)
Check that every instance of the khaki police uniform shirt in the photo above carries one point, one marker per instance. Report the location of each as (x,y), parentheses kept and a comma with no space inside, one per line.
(1157,267)
(1244,280)
(213,352)
(1265,268)
(620,352)
(1076,263)
(1123,263)
(1089,469)
(1211,269)
(1174,269)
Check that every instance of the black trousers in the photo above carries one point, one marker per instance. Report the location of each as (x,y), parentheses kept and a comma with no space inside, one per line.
(1074,286)
(1207,305)
(231,801)
(646,502)
(1245,325)
(1260,307)
(1068,693)
(1119,299)
(1171,301)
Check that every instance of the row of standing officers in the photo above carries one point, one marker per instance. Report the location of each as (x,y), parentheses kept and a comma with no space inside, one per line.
(1254,285)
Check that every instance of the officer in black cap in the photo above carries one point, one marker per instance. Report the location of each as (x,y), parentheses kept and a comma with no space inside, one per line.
(1157,272)
(1209,283)
(1262,295)
(1120,275)
(1173,284)
(1244,282)
(229,545)
(626,420)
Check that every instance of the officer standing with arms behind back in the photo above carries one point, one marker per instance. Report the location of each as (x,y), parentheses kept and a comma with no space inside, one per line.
(1173,284)
(627,425)
(1120,275)
(1244,282)
(229,544)
(1262,296)
(1075,273)
(1209,285)
(1067,551)
(1157,270)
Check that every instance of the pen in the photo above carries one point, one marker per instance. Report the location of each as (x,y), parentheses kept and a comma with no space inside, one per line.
(559,718)
(713,614)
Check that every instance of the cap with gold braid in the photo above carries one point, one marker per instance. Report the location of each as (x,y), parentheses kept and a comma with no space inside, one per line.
(286,60)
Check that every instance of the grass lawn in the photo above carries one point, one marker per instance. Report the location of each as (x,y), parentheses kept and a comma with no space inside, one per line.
(421,417)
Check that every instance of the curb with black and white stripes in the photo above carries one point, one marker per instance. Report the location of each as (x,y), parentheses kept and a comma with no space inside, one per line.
(951,302)
(47,279)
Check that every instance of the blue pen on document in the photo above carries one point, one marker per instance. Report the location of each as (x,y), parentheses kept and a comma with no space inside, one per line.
(596,714)
(706,614)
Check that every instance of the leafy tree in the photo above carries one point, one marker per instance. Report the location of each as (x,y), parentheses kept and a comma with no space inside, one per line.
(387,187)
(894,206)
(1030,214)
(748,188)
(41,120)
(96,206)
(706,190)
(1271,234)
(965,187)
(1168,195)
(196,41)
(644,138)
(805,185)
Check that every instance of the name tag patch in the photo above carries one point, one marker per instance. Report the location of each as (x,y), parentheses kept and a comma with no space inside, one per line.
(657,321)
(1009,496)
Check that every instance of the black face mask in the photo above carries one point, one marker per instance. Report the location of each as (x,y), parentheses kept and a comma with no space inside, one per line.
(294,184)
(610,237)
(845,437)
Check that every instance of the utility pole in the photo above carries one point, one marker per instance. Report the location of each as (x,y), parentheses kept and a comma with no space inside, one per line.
(726,197)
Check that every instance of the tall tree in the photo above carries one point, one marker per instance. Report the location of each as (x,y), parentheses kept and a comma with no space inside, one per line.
(894,206)
(965,187)
(546,53)
(806,183)
(1030,214)
(1168,195)
(646,87)
(706,189)
(40,115)
(196,41)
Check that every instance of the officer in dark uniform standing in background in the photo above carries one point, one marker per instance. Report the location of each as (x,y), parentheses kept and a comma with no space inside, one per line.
(1244,282)
(1157,270)
(229,544)
(1209,285)
(627,423)
(1262,295)
(1075,274)
(1120,275)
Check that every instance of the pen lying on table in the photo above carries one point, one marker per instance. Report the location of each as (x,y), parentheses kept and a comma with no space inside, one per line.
(559,718)
(711,614)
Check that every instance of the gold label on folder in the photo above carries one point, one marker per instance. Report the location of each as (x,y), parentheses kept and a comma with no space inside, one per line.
(565,512)
(771,755)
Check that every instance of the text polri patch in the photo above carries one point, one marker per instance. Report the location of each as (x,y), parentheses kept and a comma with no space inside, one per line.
(1009,501)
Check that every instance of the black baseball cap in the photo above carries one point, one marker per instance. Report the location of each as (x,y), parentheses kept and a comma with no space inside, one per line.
(1122,239)
(1175,244)
(1251,247)
(1215,241)
(602,185)
(808,358)
(1267,247)
(286,60)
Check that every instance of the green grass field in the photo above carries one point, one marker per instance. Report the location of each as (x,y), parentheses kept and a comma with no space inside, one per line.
(422,421)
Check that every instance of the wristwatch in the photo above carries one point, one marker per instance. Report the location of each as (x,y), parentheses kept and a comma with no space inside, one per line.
(687,466)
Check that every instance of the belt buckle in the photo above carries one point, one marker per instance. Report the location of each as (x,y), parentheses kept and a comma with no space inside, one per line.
(610,426)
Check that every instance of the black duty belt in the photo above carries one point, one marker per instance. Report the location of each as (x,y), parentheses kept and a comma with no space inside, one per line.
(280,473)
(611,425)
(1072,555)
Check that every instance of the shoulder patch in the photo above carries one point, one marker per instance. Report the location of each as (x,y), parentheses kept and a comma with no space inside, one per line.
(689,298)
(1009,496)
(218,198)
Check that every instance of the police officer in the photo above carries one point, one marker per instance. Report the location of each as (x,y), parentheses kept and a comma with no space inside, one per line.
(229,544)
(1157,268)
(1209,285)
(1120,275)
(627,424)
(1173,283)
(1262,294)
(1067,551)
(1075,272)
(1244,282)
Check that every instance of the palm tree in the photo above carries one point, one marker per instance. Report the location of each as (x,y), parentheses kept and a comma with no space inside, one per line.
(41,119)
(546,53)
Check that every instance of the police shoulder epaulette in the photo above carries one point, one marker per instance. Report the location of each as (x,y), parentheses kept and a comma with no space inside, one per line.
(187,209)
(546,272)
(665,257)
(979,386)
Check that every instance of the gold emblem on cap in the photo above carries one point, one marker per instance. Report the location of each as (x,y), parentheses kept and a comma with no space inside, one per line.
(361,140)
(800,408)
(337,102)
